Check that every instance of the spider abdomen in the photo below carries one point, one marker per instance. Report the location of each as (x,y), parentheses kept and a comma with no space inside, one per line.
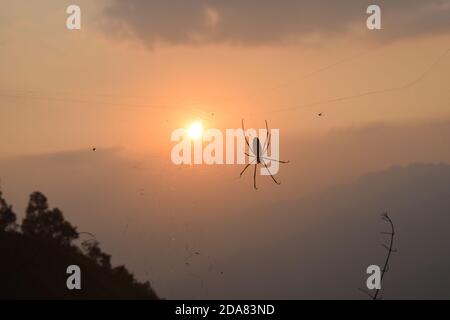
(257,149)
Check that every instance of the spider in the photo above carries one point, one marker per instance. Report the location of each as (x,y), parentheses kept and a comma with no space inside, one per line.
(258,153)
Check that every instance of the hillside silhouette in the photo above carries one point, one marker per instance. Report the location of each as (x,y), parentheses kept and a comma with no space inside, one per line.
(35,256)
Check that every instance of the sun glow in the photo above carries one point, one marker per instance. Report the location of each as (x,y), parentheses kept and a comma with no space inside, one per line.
(195,130)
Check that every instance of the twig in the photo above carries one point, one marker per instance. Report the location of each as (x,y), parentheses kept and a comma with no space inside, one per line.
(390,249)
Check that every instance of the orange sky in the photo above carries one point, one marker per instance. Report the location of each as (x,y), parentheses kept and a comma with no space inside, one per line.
(72,89)
(125,90)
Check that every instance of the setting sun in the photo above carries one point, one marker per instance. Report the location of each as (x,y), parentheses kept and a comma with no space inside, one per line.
(195,130)
(198,155)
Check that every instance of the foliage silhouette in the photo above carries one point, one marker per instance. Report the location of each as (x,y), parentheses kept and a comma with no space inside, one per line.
(95,253)
(7,216)
(34,261)
(42,222)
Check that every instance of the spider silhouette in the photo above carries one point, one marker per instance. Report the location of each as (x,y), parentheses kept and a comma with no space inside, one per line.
(258,153)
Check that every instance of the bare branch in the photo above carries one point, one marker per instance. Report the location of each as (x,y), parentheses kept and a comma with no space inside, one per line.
(390,250)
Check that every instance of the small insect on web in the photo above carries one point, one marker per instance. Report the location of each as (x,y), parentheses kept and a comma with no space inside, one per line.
(259,154)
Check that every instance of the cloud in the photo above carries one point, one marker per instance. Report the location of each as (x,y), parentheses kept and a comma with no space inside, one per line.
(269,22)
(71,157)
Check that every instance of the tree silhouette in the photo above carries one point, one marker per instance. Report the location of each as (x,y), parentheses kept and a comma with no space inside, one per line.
(34,261)
(42,222)
(95,253)
(7,216)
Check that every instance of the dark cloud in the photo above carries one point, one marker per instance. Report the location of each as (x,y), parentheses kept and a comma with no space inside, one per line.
(71,157)
(260,22)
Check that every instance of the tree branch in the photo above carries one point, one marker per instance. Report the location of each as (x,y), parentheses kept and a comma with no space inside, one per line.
(389,248)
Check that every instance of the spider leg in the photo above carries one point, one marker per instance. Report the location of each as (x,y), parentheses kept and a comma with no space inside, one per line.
(265,165)
(270,159)
(248,165)
(268,137)
(245,137)
(250,155)
(254,177)
(266,146)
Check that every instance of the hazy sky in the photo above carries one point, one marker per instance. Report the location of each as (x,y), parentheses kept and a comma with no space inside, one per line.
(137,70)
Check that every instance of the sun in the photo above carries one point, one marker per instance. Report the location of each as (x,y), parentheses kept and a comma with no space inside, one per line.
(195,130)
